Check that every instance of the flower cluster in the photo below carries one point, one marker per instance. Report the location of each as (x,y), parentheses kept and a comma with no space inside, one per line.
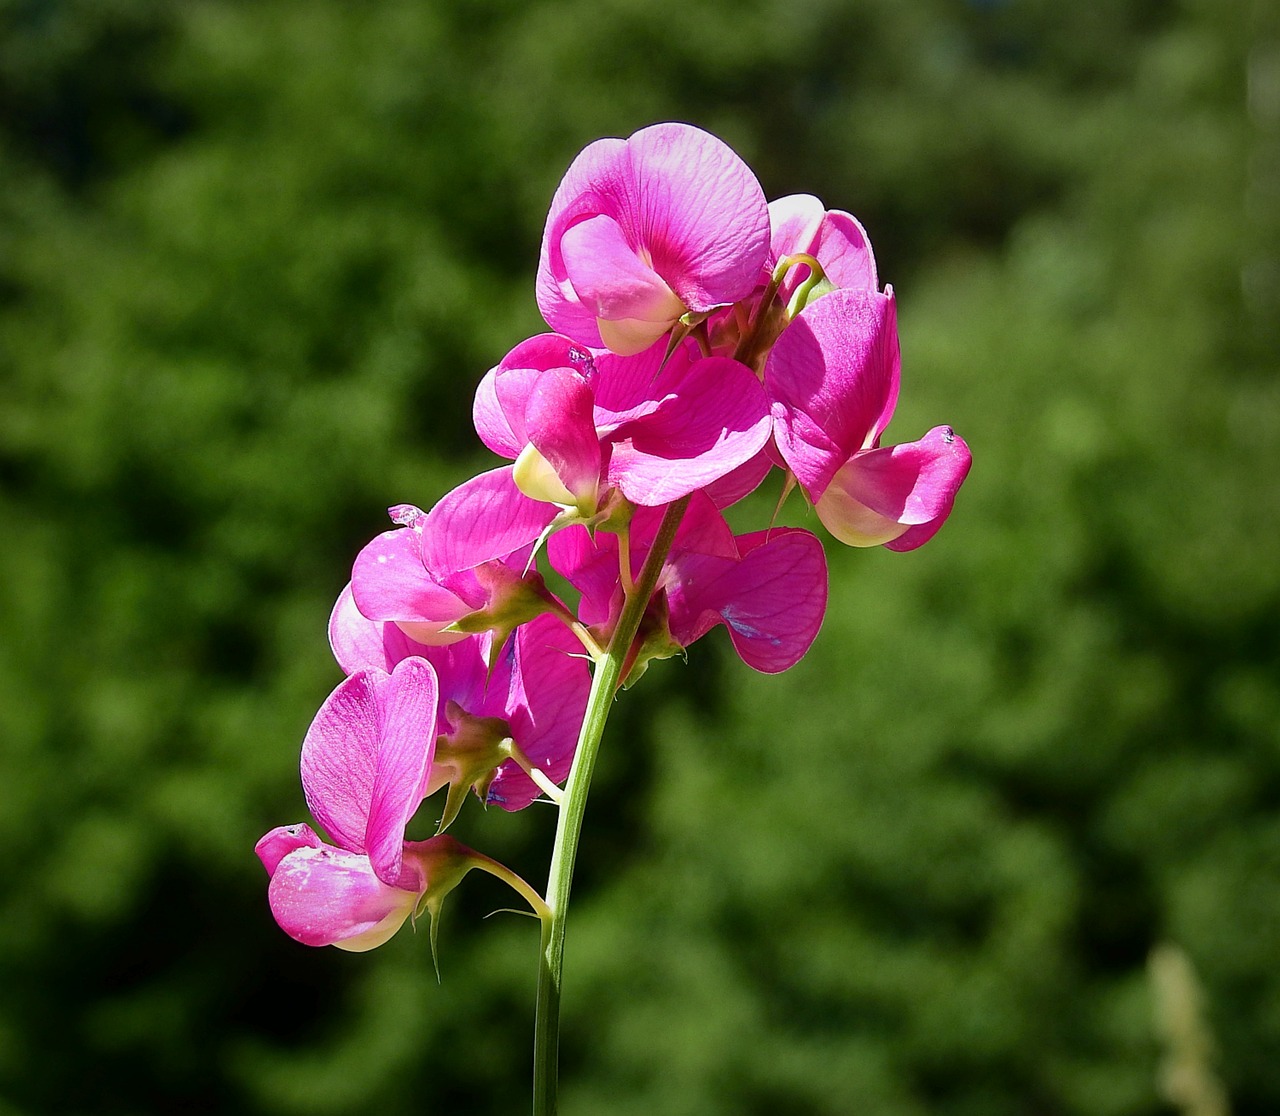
(702,337)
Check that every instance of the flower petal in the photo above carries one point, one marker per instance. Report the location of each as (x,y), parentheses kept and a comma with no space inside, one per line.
(326,896)
(772,600)
(836,239)
(685,205)
(881,493)
(833,377)
(366,756)
(544,707)
(281,841)
(407,713)
(389,582)
(483,518)
(715,419)
(359,643)
(610,279)
(561,424)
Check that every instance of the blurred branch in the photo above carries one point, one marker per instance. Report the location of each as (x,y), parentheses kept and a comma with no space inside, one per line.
(1186,1077)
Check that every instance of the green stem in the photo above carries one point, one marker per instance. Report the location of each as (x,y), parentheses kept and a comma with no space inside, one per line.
(604,685)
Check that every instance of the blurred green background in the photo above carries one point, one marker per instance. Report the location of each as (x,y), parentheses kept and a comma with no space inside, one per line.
(254,257)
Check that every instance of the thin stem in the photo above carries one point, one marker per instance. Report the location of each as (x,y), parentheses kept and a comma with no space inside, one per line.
(604,684)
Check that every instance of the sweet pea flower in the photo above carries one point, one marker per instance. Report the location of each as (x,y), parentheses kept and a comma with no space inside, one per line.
(800,225)
(365,763)
(492,721)
(768,588)
(833,377)
(643,230)
(391,580)
(582,426)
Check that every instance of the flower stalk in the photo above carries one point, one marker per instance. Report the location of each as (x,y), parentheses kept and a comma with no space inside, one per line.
(604,685)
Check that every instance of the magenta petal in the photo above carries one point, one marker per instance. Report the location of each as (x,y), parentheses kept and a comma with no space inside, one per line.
(716,420)
(503,394)
(611,279)
(327,896)
(590,564)
(683,202)
(389,582)
(844,250)
(914,482)
(365,759)
(546,702)
(483,518)
(793,223)
(699,211)
(283,840)
(359,643)
(407,714)
(772,599)
(742,481)
(836,239)
(833,377)
(561,423)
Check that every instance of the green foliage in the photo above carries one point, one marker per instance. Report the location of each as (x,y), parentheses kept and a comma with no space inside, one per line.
(253,259)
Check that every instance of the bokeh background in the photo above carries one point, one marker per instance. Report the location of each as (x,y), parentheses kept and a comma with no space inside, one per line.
(254,257)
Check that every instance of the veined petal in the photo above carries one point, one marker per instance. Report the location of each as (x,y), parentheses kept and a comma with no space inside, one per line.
(359,643)
(879,494)
(483,518)
(366,756)
(326,896)
(611,279)
(714,420)
(389,582)
(685,204)
(833,377)
(561,424)
(772,599)
(407,719)
(698,210)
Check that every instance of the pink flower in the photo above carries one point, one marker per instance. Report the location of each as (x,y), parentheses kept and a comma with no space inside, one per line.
(645,229)
(534,696)
(833,376)
(365,764)
(768,588)
(581,426)
(800,225)
(393,581)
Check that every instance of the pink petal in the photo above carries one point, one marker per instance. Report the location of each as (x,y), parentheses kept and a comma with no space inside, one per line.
(366,755)
(504,392)
(715,420)
(483,518)
(878,494)
(742,481)
(610,279)
(561,423)
(389,582)
(281,841)
(833,378)
(359,643)
(699,212)
(407,707)
(835,239)
(684,203)
(590,564)
(772,600)
(544,707)
(326,896)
